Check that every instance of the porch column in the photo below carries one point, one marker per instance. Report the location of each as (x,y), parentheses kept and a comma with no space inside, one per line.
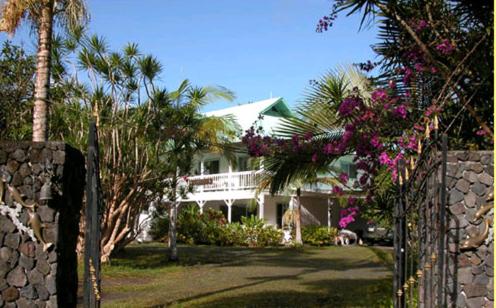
(202,167)
(229,204)
(201,203)
(260,201)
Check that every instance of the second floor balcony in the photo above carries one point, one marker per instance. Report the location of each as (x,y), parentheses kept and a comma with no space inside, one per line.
(229,181)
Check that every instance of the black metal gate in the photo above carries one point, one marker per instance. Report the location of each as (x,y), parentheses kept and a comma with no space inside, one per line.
(420,228)
(91,292)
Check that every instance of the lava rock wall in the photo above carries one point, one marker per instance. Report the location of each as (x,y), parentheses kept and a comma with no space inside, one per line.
(30,276)
(470,272)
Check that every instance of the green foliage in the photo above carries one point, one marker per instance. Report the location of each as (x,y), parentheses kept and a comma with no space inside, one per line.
(16,90)
(159,224)
(211,228)
(318,235)
(256,234)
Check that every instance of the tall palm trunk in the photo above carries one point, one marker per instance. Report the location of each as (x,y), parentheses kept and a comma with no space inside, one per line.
(298,238)
(173,224)
(42,83)
(173,231)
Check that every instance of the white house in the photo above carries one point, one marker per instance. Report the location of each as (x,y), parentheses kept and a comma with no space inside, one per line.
(232,188)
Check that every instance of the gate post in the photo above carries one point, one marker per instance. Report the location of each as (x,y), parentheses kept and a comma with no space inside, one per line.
(91,287)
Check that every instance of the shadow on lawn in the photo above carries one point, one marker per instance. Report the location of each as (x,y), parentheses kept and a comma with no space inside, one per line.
(324,293)
(369,289)
(151,257)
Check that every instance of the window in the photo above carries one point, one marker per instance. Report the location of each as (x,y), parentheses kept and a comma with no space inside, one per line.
(212,167)
(350,169)
(243,163)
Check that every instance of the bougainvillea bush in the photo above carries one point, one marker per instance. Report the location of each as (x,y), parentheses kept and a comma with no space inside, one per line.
(431,76)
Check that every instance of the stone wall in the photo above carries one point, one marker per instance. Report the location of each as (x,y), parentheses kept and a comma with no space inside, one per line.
(30,276)
(470,272)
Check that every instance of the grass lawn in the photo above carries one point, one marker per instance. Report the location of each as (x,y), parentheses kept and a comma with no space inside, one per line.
(210,276)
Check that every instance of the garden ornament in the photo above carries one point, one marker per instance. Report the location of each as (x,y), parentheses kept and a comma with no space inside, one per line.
(477,240)
(34,218)
(484,209)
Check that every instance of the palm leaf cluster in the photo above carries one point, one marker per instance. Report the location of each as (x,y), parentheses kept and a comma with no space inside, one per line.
(317,119)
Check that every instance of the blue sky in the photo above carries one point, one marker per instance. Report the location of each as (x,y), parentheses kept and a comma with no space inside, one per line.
(254,47)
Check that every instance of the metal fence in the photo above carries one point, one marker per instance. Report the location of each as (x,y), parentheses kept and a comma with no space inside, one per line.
(420,228)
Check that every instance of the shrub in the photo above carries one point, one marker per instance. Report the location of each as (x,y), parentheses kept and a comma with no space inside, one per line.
(318,235)
(159,224)
(211,228)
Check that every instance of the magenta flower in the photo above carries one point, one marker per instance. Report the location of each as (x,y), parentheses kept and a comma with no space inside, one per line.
(375,142)
(314,157)
(412,143)
(337,190)
(400,111)
(445,47)
(352,201)
(343,177)
(384,159)
(418,67)
(407,75)
(379,95)
(480,132)
(329,149)
(421,25)
(348,105)
(363,179)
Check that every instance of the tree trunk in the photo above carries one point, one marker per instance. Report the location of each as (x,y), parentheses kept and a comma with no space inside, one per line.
(173,231)
(42,83)
(298,238)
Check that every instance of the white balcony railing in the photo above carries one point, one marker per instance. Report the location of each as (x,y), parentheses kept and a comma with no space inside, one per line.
(245,180)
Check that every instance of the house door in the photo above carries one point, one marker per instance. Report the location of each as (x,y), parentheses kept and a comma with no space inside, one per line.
(281,208)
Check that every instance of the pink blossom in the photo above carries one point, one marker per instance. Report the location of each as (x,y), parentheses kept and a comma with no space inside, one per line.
(445,47)
(392,84)
(363,179)
(432,109)
(400,111)
(352,201)
(379,95)
(337,190)
(329,149)
(348,105)
(418,67)
(384,159)
(421,25)
(343,177)
(418,127)
(480,132)
(375,142)
(314,157)
(407,75)
(412,143)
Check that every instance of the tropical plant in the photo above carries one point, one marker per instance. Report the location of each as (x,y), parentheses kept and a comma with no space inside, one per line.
(319,235)
(41,14)
(16,89)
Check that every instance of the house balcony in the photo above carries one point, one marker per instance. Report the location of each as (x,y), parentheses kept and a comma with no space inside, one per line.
(224,182)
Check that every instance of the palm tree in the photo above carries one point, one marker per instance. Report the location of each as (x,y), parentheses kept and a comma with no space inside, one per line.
(41,13)
(184,132)
(316,117)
